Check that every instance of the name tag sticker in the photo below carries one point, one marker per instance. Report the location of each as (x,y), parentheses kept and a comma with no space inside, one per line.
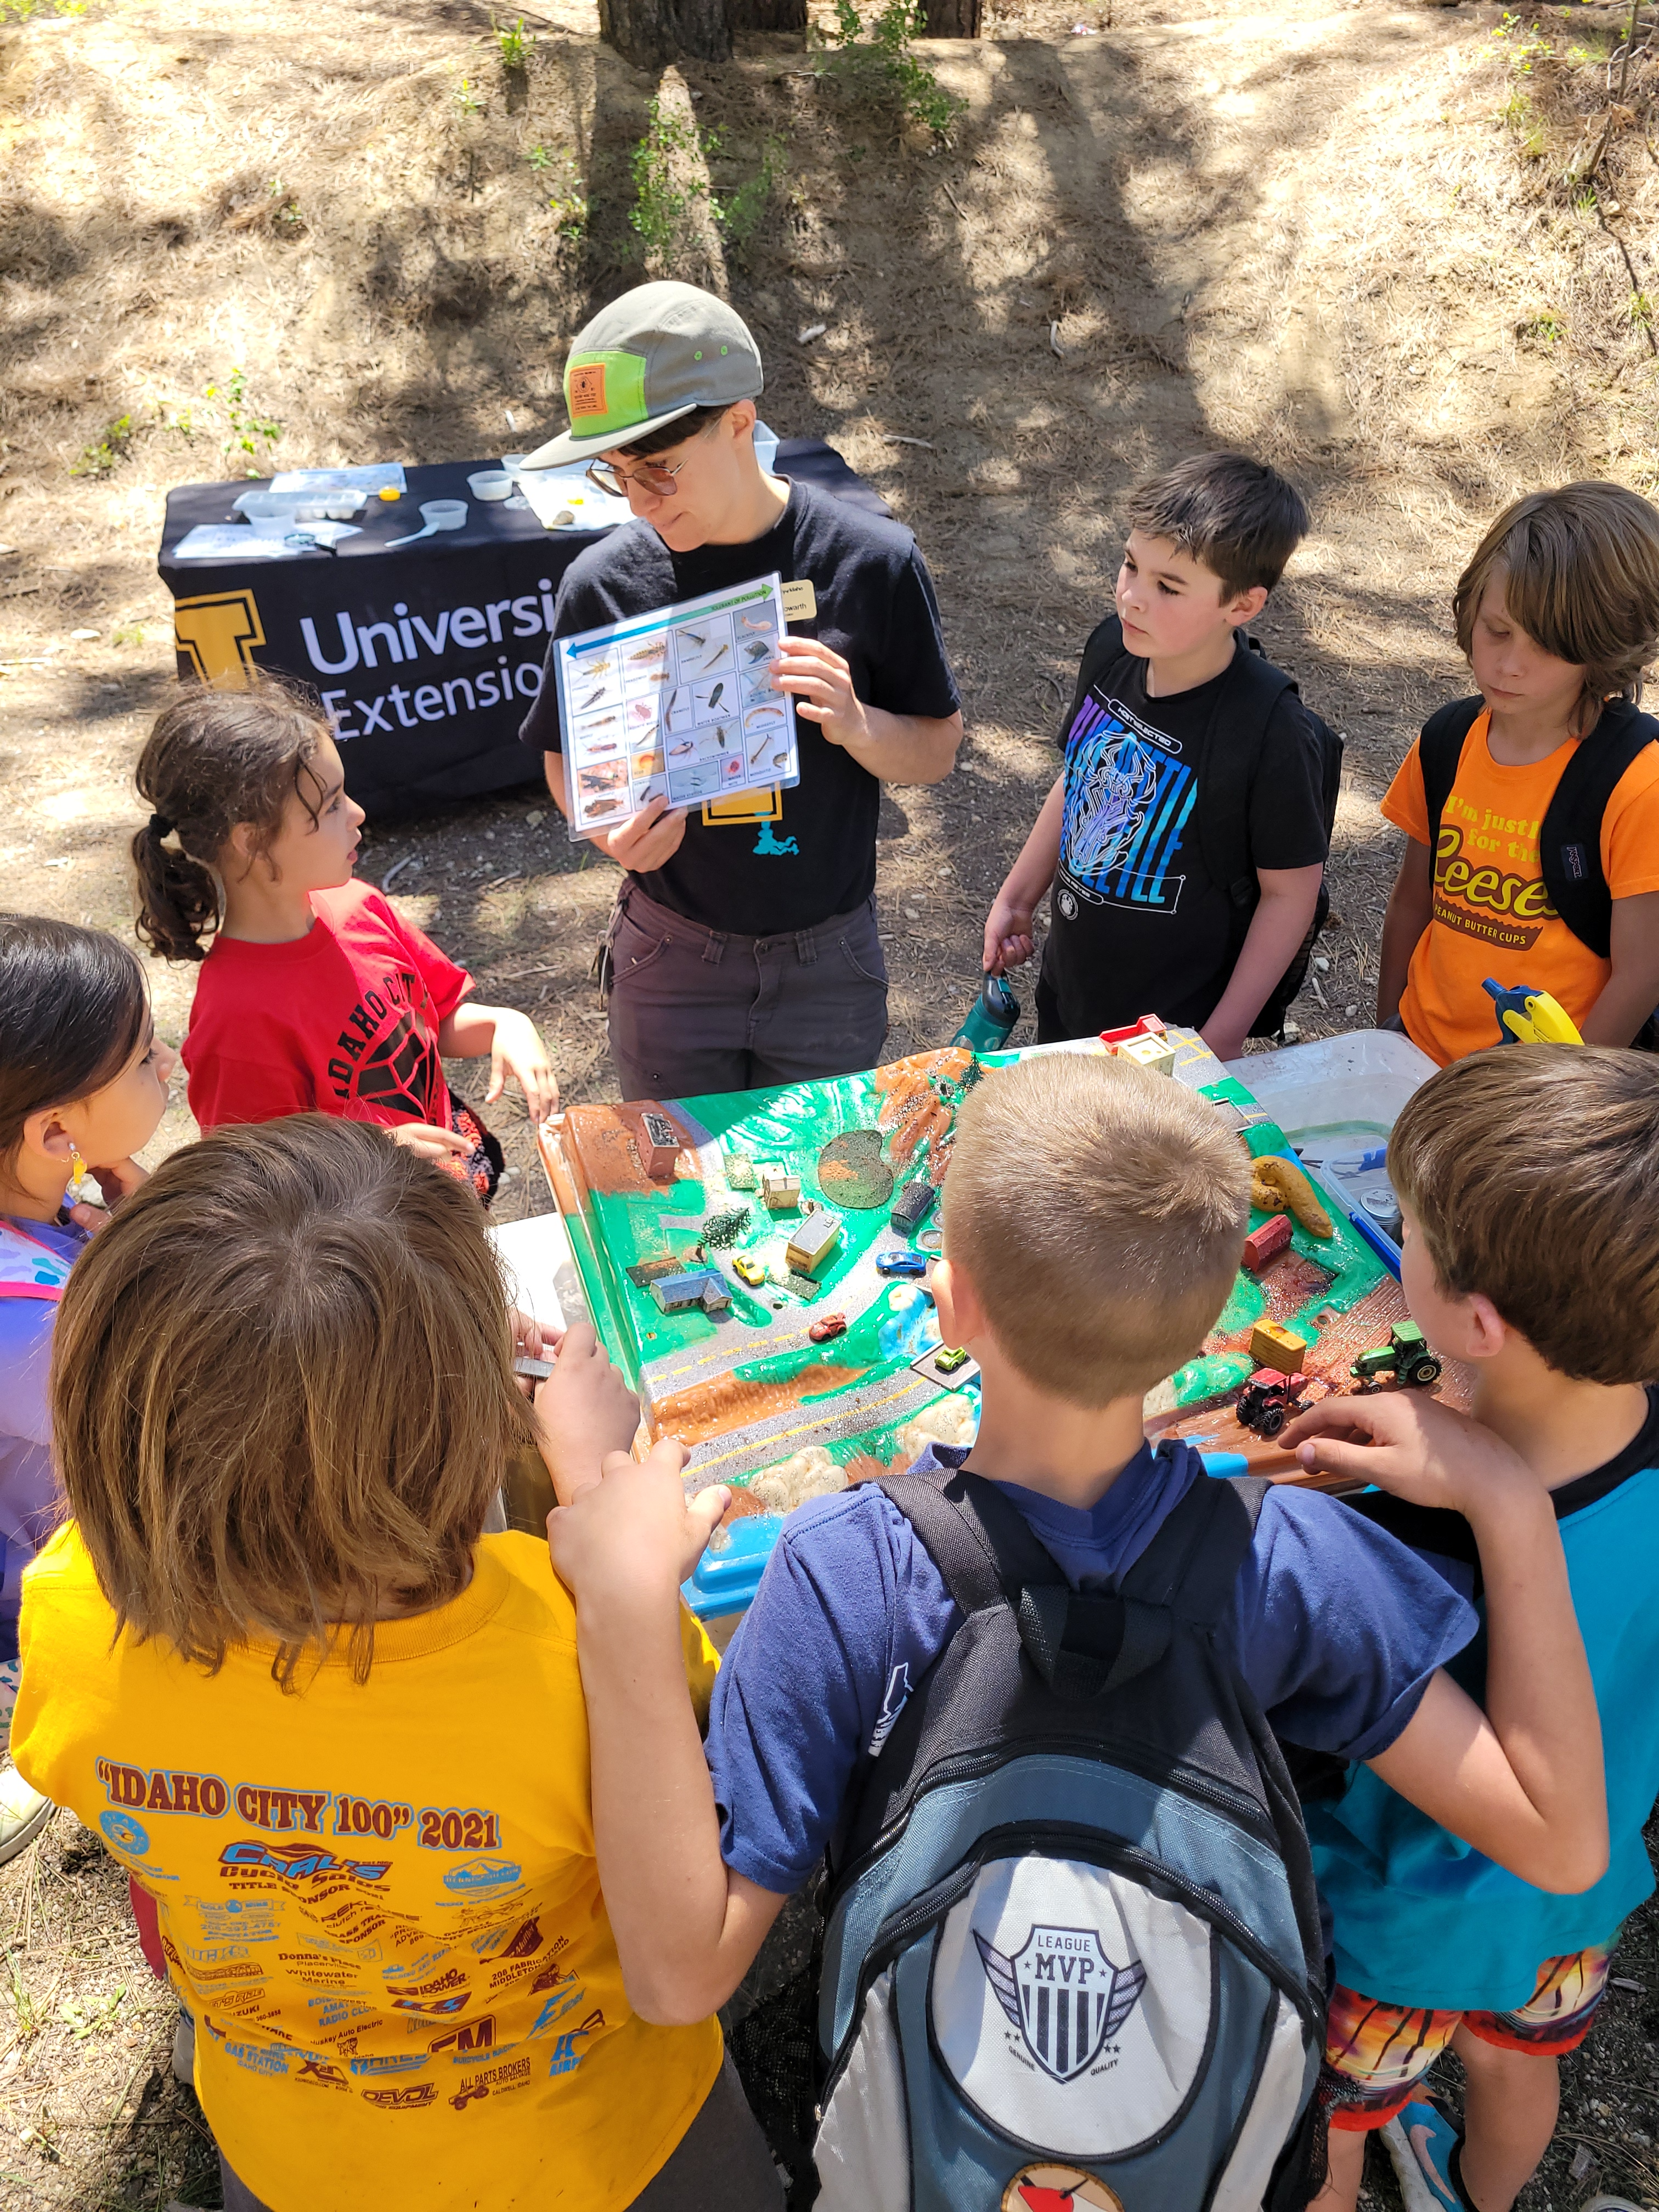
(800,601)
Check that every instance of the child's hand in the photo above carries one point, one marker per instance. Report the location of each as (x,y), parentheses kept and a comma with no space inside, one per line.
(1411,1445)
(631,1535)
(516,1049)
(118,1182)
(1008,939)
(584,1410)
(427,1139)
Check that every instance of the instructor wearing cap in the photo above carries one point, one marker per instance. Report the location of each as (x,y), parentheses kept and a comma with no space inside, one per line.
(743,942)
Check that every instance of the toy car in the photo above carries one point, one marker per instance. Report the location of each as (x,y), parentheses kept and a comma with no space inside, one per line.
(1406,1356)
(749,1271)
(950,1359)
(901,1263)
(826,1326)
(1268,1400)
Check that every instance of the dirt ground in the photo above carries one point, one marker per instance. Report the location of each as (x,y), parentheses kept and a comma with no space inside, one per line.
(1354,239)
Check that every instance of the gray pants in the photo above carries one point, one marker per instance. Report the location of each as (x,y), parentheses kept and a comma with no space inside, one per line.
(694,1010)
(721,2164)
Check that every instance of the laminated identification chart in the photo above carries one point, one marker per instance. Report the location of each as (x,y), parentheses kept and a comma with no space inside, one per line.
(679,702)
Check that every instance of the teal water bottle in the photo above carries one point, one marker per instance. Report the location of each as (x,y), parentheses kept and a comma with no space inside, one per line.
(991,1018)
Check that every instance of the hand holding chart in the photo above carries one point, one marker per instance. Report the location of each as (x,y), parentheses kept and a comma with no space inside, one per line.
(678,703)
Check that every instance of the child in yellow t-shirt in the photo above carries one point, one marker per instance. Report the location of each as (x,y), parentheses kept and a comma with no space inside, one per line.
(1558,615)
(335,1732)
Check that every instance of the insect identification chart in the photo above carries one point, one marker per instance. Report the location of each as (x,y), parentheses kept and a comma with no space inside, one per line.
(678,702)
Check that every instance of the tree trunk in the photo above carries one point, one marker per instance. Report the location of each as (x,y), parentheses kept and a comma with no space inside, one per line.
(950,19)
(649,32)
(769,15)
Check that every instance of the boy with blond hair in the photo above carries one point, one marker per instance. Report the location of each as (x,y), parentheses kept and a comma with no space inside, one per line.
(1093,1221)
(1498,1159)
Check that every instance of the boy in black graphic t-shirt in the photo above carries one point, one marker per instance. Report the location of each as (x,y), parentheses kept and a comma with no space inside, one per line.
(1137,924)
(744,943)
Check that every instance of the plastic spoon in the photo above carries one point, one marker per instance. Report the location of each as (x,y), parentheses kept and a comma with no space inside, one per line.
(441,514)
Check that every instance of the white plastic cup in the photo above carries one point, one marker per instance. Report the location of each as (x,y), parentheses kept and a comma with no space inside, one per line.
(272,514)
(443,513)
(490,483)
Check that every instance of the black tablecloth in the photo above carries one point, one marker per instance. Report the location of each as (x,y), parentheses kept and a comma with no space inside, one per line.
(428,656)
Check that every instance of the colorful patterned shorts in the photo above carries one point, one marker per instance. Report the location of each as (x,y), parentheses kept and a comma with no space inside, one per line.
(1377,2054)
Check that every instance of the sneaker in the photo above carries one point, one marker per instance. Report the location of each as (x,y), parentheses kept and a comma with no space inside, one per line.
(23,1813)
(1420,2142)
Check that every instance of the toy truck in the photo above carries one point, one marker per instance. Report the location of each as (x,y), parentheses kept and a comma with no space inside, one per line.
(1268,1400)
(1406,1356)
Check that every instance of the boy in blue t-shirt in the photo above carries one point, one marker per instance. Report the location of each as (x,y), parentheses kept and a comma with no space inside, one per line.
(1093,1220)
(1502,1158)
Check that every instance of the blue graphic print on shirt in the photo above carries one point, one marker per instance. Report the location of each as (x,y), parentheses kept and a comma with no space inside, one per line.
(1128,796)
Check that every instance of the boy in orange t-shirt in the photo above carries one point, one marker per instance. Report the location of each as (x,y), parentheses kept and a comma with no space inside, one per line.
(1558,614)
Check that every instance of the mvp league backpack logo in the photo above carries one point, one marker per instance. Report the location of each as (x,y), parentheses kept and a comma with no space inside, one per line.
(1063,1994)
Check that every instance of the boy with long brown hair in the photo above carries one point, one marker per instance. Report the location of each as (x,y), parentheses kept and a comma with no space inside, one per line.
(265,1663)
(1531,811)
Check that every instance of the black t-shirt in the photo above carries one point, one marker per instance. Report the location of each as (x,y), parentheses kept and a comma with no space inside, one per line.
(1138,925)
(875,607)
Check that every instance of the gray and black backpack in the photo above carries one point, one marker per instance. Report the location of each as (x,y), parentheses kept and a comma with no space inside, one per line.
(1073,1956)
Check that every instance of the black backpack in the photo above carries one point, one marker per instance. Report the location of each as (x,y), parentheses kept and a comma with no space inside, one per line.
(1072,1940)
(1247,699)
(1570,841)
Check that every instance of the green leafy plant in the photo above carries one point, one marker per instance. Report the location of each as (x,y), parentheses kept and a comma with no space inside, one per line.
(248,429)
(660,204)
(92,2018)
(1547,329)
(515,43)
(19,11)
(105,454)
(467,98)
(740,211)
(883,40)
(1639,308)
(288,209)
(567,197)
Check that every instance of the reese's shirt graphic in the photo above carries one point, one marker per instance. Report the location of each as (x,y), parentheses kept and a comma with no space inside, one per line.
(1137,924)
(379,1900)
(344,1020)
(1492,913)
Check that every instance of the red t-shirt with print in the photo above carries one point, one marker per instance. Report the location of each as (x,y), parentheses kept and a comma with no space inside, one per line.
(344,1020)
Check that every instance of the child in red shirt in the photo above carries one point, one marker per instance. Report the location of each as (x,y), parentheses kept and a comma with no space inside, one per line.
(315,995)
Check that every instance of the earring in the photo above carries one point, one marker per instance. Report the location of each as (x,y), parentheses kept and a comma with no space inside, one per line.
(77,1165)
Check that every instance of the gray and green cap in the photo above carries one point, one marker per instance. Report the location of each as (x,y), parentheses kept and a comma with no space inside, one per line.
(646,360)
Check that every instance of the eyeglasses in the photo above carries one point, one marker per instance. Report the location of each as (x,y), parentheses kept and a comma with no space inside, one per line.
(651,477)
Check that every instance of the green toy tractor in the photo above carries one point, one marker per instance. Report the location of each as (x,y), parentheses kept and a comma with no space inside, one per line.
(1406,1356)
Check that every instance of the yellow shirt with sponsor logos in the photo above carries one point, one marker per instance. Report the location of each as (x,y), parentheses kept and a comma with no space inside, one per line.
(1492,913)
(380,1900)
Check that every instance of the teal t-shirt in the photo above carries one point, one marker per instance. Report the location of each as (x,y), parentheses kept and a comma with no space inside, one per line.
(1423,1920)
